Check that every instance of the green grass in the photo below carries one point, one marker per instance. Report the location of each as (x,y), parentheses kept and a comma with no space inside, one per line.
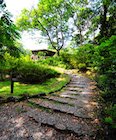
(47,87)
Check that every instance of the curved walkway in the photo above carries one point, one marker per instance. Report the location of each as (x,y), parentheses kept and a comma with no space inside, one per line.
(71,114)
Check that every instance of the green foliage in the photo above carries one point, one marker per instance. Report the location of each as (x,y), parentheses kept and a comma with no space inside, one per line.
(108,120)
(80,58)
(50,17)
(81,14)
(53,61)
(41,54)
(66,57)
(8,33)
(25,69)
(102,81)
(6,66)
(30,72)
(110,112)
(82,66)
(106,63)
(83,57)
(62,61)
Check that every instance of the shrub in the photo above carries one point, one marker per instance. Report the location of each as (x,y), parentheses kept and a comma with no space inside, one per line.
(111,116)
(66,58)
(108,120)
(41,55)
(55,61)
(82,66)
(7,65)
(83,57)
(106,63)
(52,61)
(30,72)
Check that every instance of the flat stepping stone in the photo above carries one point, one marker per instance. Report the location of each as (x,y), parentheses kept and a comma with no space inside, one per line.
(72,96)
(78,83)
(73,89)
(76,110)
(78,102)
(81,97)
(75,96)
(77,86)
(56,101)
(69,92)
(63,122)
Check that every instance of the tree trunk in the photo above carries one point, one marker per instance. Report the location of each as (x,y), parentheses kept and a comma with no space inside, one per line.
(58,52)
(81,37)
(104,30)
(1,76)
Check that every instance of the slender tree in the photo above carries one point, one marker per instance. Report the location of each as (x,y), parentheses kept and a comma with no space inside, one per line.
(8,32)
(8,35)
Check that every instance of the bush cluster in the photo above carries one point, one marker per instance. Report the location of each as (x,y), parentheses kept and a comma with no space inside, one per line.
(106,63)
(82,58)
(60,61)
(27,70)
(30,72)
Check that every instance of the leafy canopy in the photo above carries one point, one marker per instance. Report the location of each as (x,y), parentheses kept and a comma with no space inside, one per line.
(50,17)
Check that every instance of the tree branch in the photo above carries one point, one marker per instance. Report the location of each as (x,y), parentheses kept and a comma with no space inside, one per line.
(45,30)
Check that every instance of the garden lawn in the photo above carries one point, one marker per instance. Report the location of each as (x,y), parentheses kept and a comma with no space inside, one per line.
(51,85)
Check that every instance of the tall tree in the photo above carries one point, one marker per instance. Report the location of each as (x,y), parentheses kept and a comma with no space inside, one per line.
(104,17)
(50,17)
(108,16)
(81,14)
(8,35)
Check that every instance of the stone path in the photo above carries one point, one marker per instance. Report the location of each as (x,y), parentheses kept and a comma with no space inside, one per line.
(69,115)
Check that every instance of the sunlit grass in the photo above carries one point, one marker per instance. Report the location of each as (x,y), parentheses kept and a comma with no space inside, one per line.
(50,85)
